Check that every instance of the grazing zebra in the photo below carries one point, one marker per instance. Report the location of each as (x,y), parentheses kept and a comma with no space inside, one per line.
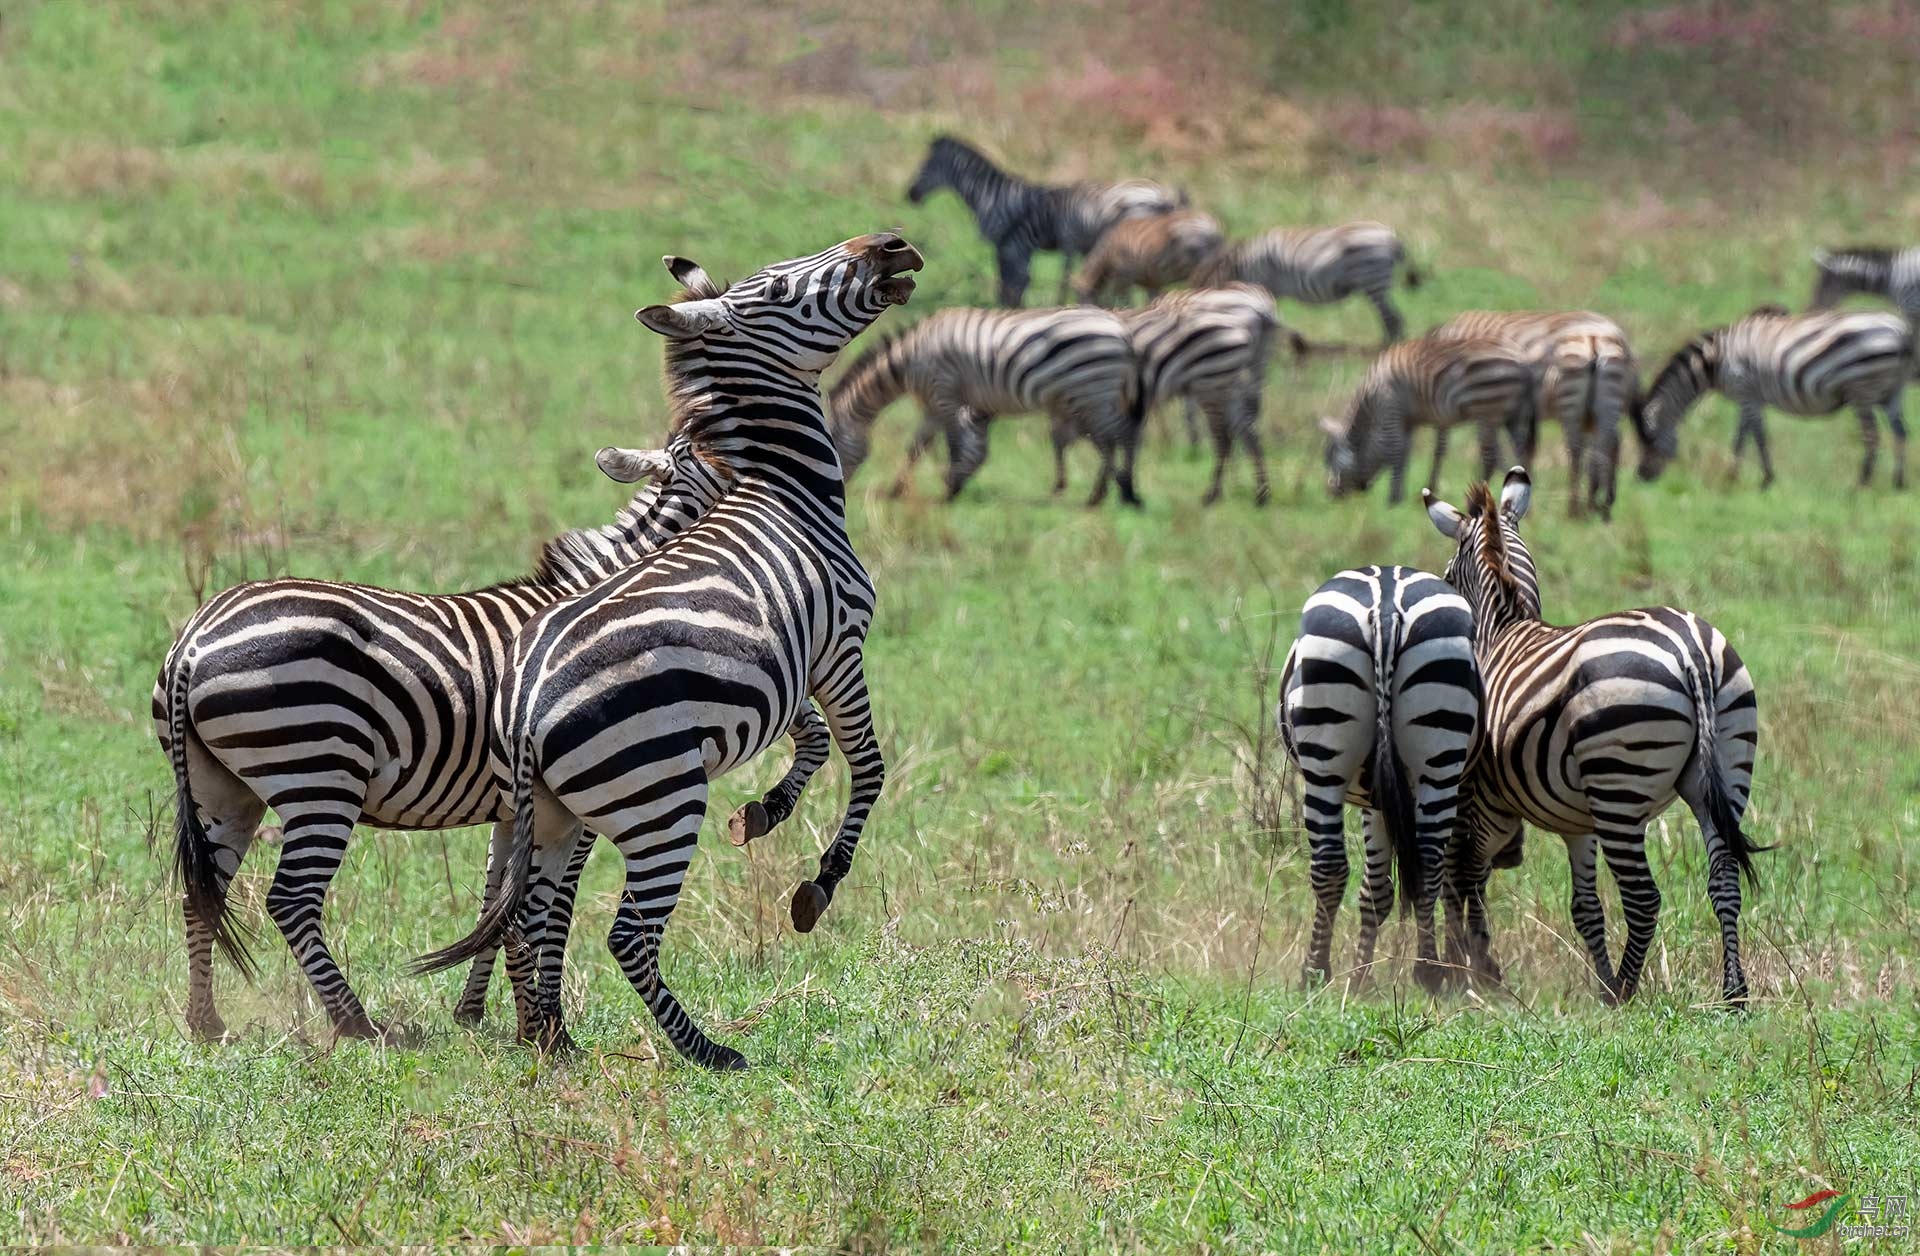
(620,705)
(1808,364)
(1893,274)
(1380,707)
(1210,346)
(968,366)
(1428,383)
(1020,218)
(1318,266)
(340,704)
(1588,381)
(1154,252)
(1591,732)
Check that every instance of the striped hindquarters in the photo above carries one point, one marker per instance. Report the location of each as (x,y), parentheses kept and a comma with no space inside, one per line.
(1212,342)
(1815,364)
(1314,265)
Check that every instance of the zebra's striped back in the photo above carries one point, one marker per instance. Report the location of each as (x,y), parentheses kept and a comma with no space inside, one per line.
(968,366)
(1593,730)
(1317,266)
(1380,707)
(1425,383)
(1891,274)
(1151,251)
(1807,364)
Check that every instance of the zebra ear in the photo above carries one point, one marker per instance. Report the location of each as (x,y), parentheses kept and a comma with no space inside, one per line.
(1821,257)
(1516,494)
(683,321)
(1445,517)
(691,276)
(629,466)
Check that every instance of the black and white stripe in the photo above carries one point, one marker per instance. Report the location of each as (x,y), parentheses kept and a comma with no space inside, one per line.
(1891,274)
(1152,251)
(340,704)
(1020,218)
(1591,732)
(1210,347)
(967,367)
(1588,381)
(1318,266)
(621,705)
(1380,707)
(1428,383)
(1809,365)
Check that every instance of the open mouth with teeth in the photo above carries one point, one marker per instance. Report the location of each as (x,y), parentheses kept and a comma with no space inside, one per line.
(896,259)
(895,289)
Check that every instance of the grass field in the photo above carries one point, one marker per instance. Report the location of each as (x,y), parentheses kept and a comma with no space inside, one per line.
(346,290)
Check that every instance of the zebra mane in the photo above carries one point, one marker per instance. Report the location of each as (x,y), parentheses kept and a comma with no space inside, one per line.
(571,559)
(1865,257)
(1484,508)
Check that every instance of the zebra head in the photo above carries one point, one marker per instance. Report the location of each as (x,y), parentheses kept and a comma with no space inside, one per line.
(948,160)
(1687,375)
(1345,471)
(1490,567)
(792,317)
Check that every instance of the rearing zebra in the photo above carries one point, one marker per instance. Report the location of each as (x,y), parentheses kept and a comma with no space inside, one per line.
(1428,383)
(967,367)
(341,704)
(1591,732)
(1020,218)
(622,704)
(1380,707)
(1809,365)
(1588,380)
(1892,274)
(1318,266)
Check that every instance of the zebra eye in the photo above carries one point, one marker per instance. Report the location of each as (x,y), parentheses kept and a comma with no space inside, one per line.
(778,288)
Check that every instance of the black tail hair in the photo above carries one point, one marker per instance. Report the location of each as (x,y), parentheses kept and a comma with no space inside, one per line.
(1413,275)
(193,854)
(504,910)
(1391,791)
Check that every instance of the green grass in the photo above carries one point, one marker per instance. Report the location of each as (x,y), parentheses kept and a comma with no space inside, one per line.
(349,293)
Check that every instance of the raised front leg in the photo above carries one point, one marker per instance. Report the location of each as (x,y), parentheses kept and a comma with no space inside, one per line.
(845,703)
(812,743)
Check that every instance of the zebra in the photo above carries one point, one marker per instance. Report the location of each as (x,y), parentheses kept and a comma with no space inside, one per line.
(1318,266)
(967,366)
(342,704)
(1154,251)
(1808,364)
(1434,383)
(1210,346)
(621,704)
(1380,707)
(1020,218)
(1892,274)
(1592,731)
(1589,380)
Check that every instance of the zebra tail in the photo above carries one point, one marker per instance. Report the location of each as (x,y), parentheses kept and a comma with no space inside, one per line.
(504,910)
(193,853)
(1392,794)
(1726,821)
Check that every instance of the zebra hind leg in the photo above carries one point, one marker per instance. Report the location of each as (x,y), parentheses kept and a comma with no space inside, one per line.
(1869,442)
(472,1007)
(1220,430)
(657,846)
(1391,324)
(1723,882)
(1376,894)
(1626,855)
(316,842)
(1589,917)
(1898,427)
(1434,813)
(231,833)
(552,921)
(1324,804)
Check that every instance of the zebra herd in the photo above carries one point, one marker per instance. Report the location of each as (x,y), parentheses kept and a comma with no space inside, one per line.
(1502,373)
(724,608)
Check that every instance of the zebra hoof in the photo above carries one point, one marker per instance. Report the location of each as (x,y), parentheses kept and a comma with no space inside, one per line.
(1313,976)
(209,1029)
(748,823)
(1432,976)
(809,903)
(722,1059)
(555,1040)
(1262,495)
(469,1016)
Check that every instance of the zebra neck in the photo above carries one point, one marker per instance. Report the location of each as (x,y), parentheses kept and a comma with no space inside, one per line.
(987,190)
(1870,273)
(583,557)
